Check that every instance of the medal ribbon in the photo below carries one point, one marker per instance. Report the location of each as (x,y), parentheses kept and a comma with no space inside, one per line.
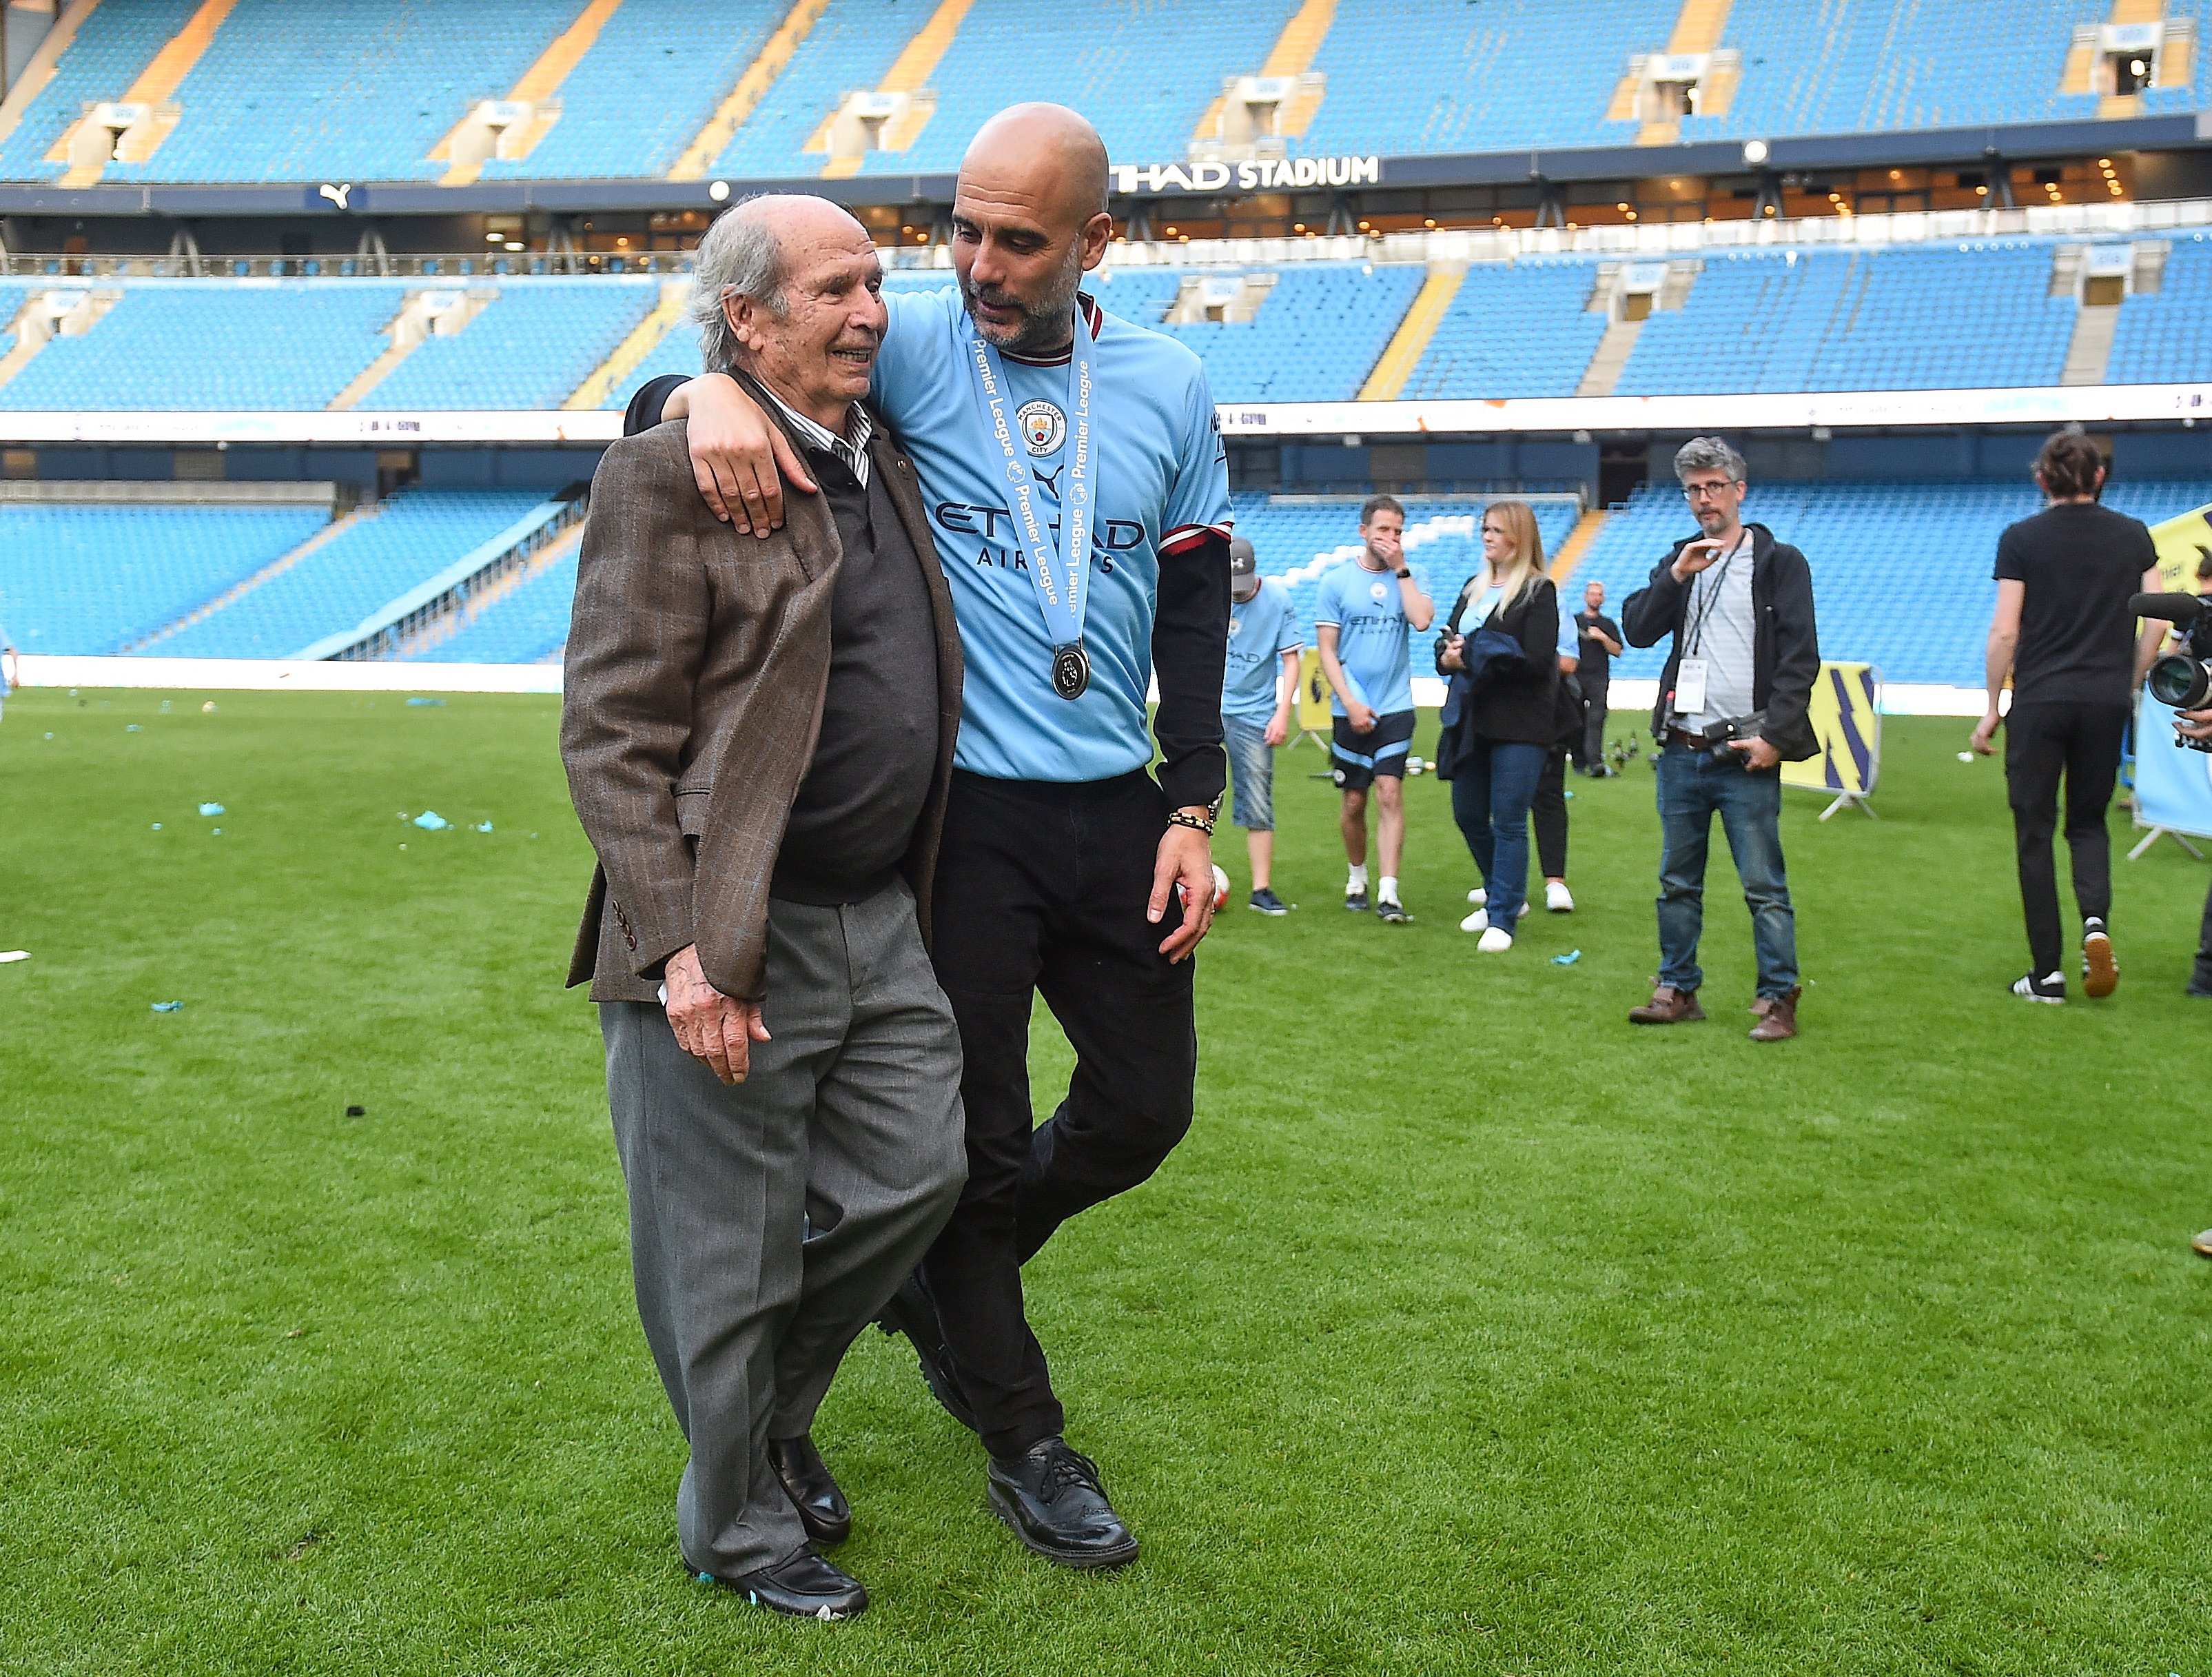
(1062,588)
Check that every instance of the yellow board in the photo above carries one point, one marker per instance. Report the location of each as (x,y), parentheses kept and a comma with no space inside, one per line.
(1846,717)
(1314,714)
(2182,543)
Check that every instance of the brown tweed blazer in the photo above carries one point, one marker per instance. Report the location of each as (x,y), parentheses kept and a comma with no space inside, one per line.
(697,663)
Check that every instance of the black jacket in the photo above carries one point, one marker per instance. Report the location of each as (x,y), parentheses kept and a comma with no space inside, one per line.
(1785,649)
(1519,707)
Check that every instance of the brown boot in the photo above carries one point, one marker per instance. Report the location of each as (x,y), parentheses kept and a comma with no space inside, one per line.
(1667,1006)
(1777,1016)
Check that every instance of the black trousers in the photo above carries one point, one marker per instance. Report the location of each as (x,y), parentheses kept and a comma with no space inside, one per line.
(2044,741)
(1548,812)
(1041,890)
(1590,750)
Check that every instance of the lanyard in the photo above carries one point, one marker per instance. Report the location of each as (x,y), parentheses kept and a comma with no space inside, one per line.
(1061,584)
(1695,641)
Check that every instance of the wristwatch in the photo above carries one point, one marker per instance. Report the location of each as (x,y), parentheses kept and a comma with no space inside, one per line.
(1403,576)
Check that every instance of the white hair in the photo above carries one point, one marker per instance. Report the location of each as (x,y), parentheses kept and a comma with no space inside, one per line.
(1710,454)
(740,257)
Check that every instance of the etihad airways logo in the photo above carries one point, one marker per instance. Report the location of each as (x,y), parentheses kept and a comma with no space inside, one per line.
(1261,174)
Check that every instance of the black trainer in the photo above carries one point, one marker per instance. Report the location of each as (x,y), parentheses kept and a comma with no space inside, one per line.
(1050,1498)
(812,1488)
(1391,912)
(806,1586)
(2050,987)
(913,1312)
(1268,903)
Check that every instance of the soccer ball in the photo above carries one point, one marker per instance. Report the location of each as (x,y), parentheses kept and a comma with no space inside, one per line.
(1220,887)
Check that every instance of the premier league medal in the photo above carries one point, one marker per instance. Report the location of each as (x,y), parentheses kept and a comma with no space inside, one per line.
(1071,670)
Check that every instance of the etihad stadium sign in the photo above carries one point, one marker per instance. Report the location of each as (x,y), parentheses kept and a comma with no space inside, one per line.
(1258,174)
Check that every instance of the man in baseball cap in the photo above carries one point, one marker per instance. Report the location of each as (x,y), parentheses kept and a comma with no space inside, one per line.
(1258,688)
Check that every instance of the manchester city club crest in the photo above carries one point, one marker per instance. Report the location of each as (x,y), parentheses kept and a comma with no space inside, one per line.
(1236,627)
(1044,427)
(1376,590)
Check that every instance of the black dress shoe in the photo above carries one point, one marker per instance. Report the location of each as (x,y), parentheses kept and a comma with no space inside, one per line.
(1051,1498)
(913,1312)
(814,1491)
(806,1586)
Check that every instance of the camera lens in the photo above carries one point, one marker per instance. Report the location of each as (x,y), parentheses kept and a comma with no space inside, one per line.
(2180,683)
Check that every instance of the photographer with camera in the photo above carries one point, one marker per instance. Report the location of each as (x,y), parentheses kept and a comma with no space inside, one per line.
(1732,710)
(2064,630)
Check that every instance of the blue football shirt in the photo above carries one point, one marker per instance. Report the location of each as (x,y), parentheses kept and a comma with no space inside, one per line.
(1261,630)
(1371,637)
(1161,491)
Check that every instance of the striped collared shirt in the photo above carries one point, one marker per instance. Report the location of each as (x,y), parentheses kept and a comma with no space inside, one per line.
(852,450)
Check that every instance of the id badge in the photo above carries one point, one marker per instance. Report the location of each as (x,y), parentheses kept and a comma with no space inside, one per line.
(1690,688)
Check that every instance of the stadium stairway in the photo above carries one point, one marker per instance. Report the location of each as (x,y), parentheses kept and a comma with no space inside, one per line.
(1570,552)
(32,326)
(410,329)
(472,142)
(742,98)
(268,573)
(1291,58)
(644,338)
(443,632)
(1410,341)
(32,80)
(1697,32)
(89,147)
(907,79)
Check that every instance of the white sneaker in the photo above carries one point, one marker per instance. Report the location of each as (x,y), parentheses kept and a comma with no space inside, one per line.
(1478,896)
(1557,898)
(1478,921)
(1496,941)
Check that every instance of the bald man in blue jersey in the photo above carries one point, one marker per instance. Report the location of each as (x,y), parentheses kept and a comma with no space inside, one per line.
(1078,497)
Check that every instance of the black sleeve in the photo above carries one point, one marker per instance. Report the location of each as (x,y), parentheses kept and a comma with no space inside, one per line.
(643,412)
(1539,631)
(1190,649)
(1652,610)
(1796,647)
(2010,568)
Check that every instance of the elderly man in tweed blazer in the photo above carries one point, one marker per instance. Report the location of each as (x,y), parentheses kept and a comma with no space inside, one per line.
(758,733)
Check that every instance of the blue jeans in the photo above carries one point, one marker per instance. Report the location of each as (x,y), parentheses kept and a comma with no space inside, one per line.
(1692,786)
(1489,801)
(1252,765)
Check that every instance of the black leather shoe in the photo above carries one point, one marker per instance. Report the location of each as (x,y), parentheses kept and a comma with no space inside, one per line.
(914,1313)
(806,1586)
(814,1491)
(1050,1495)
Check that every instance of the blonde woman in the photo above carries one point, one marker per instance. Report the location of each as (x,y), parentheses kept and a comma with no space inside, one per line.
(1500,653)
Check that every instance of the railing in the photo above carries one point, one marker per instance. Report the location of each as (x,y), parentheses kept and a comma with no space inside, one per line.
(380,635)
(1442,244)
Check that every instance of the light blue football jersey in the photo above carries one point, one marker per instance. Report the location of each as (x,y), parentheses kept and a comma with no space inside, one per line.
(1371,633)
(1261,630)
(1161,490)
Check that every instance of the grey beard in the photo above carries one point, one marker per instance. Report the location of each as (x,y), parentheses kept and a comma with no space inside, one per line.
(1045,330)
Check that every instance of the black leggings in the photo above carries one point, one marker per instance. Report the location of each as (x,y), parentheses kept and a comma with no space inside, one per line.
(2043,740)
(1547,812)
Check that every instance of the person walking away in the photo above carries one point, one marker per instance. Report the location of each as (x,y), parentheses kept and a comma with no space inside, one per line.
(1732,710)
(1598,644)
(2062,631)
(1491,744)
(1258,689)
(1361,622)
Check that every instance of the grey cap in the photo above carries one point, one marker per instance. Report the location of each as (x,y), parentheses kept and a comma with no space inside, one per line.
(1243,561)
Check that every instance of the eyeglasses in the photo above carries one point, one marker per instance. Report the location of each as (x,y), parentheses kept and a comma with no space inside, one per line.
(1704,491)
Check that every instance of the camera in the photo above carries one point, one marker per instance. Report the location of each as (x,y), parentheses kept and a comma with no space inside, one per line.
(1715,736)
(2181,680)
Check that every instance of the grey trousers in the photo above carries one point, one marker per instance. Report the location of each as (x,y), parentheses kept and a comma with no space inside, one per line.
(769,1222)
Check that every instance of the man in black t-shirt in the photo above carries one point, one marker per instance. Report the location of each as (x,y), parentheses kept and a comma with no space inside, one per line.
(1599,645)
(2063,632)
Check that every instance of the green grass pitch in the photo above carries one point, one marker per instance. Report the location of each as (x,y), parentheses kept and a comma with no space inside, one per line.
(1472,1330)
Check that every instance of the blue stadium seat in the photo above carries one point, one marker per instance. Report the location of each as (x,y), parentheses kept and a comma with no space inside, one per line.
(1522,330)
(2167,338)
(688,53)
(100,63)
(529,349)
(89,580)
(405,540)
(850,47)
(525,626)
(230,346)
